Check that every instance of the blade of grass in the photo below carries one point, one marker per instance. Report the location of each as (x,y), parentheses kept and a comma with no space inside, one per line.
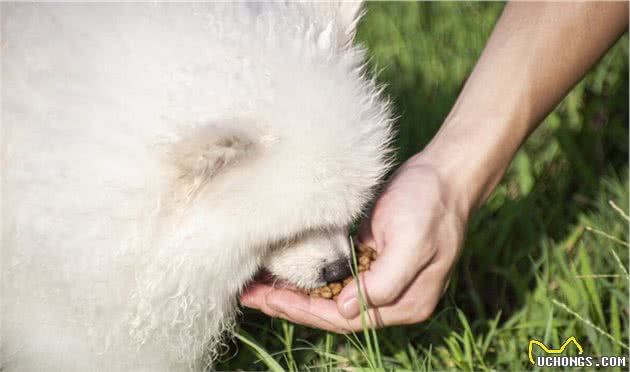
(269,361)
(599,232)
(328,343)
(591,287)
(619,210)
(491,332)
(362,307)
(466,339)
(615,324)
(288,329)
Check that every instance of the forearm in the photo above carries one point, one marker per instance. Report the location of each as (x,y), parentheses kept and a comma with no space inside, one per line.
(536,54)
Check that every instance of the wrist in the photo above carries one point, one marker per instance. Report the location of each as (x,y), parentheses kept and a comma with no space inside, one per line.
(458,194)
(471,156)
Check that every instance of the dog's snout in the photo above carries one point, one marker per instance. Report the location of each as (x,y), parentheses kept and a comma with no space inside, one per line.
(337,271)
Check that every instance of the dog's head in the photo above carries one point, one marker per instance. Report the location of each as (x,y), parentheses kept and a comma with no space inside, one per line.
(297,163)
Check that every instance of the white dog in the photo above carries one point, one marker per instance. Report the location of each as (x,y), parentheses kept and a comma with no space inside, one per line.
(155,156)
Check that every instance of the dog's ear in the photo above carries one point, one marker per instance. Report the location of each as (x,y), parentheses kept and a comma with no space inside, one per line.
(202,154)
(336,20)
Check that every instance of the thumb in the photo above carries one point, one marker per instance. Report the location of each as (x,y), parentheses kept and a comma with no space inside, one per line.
(389,276)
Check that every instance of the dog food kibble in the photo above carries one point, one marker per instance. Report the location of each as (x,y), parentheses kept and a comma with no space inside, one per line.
(365,256)
(335,288)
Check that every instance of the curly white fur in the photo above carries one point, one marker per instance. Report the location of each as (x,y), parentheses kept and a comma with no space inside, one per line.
(153,155)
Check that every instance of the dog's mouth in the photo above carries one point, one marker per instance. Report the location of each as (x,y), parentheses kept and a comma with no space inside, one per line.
(267,277)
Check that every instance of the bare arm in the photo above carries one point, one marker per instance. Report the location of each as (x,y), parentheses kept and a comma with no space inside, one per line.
(536,54)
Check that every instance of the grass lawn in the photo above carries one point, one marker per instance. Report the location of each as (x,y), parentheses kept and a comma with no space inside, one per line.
(546,258)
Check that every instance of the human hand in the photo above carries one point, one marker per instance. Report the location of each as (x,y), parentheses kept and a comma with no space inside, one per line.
(417,231)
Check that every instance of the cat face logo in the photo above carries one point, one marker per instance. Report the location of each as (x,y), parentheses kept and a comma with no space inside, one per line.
(553,351)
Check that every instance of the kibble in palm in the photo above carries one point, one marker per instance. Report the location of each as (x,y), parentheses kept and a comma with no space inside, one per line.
(365,256)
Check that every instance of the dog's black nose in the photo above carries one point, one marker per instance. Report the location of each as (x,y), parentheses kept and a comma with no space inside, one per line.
(337,271)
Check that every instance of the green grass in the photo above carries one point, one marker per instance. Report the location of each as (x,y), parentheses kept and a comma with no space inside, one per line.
(545,258)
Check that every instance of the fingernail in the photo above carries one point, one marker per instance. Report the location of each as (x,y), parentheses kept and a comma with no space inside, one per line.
(350,307)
